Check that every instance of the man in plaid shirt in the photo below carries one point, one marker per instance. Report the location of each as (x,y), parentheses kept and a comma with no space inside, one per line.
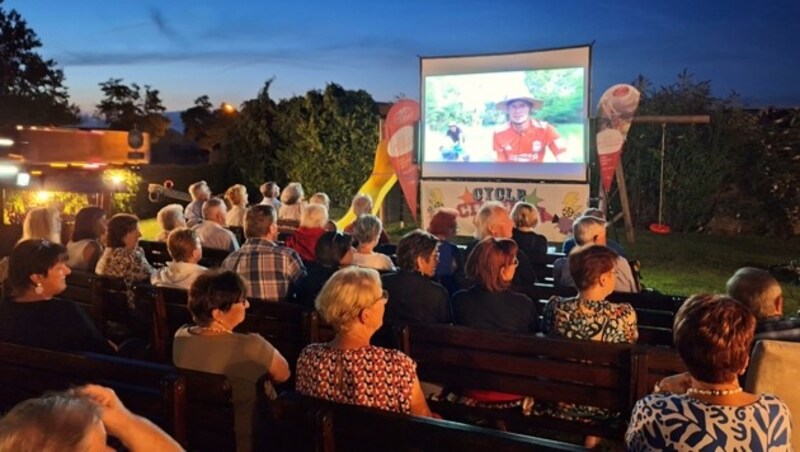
(269,269)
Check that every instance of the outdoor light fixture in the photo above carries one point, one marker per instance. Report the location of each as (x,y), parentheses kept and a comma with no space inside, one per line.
(23,179)
(6,142)
(43,196)
(117,179)
(8,170)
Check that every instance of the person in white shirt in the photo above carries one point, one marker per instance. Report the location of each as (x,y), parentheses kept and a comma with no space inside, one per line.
(212,230)
(186,251)
(194,210)
(367,231)
(237,196)
(270,191)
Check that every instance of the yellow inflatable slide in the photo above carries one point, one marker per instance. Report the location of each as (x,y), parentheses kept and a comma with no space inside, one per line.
(377,186)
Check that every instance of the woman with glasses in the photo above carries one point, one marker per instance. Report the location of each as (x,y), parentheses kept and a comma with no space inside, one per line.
(348,369)
(217,305)
(490,304)
(32,315)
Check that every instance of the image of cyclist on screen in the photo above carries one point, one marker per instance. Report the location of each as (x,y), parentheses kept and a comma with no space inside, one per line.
(526,139)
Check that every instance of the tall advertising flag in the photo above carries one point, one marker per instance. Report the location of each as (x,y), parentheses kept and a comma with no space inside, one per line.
(400,123)
(614,114)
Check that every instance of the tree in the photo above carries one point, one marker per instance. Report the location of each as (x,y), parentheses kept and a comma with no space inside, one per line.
(248,145)
(123,107)
(326,140)
(32,89)
(204,125)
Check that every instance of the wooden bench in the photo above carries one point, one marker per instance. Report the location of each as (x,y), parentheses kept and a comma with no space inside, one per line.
(209,412)
(549,370)
(301,423)
(655,312)
(654,364)
(157,254)
(154,391)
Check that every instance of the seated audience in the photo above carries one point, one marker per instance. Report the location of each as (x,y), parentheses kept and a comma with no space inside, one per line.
(312,226)
(169,217)
(292,203)
(269,270)
(79,420)
(592,231)
(570,243)
(762,294)
(217,303)
(323,200)
(525,218)
(194,210)
(589,316)
(334,251)
(85,247)
(212,231)
(236,195)
(32,315)
(713,335)
(40,223)
(494,220)
(271,191)
(415,297)
(348,369)
(444,227)
(491,304)
(362,205)
(124,258)
(185,250)
(367,232)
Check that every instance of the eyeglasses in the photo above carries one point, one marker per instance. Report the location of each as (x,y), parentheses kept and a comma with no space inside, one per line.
(384,296)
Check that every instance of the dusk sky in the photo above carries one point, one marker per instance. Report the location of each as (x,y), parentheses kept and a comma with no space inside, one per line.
(227,49)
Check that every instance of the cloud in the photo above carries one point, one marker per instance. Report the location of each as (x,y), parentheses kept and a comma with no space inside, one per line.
(157,19)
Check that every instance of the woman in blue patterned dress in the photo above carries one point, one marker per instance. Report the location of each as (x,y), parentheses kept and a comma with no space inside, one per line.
(713,335)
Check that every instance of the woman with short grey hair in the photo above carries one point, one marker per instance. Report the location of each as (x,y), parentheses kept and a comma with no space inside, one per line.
(367,232)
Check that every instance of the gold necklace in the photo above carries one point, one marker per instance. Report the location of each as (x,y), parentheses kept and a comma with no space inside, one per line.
(214,329)
(714,392)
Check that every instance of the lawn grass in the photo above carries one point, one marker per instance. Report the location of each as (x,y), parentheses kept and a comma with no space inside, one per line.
(685,264)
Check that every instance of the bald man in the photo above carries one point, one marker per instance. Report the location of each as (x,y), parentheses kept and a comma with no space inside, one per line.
(761,293)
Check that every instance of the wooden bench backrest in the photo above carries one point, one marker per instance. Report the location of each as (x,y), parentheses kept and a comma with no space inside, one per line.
(303,424)
(155,252)
(151,390)
(655,312)
(556,370)
(654,364)
(210,411)
(213,257)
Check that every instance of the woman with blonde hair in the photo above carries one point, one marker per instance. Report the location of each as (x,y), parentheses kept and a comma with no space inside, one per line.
(42,223)
(312,226)
(236,195)
(348,369)
(526,218)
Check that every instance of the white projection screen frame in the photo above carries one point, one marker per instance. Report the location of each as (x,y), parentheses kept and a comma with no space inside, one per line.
(441,81)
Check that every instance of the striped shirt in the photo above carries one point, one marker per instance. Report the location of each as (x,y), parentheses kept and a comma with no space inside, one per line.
(268,269)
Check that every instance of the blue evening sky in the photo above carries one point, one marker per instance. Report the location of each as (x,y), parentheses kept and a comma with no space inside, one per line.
(227,49)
